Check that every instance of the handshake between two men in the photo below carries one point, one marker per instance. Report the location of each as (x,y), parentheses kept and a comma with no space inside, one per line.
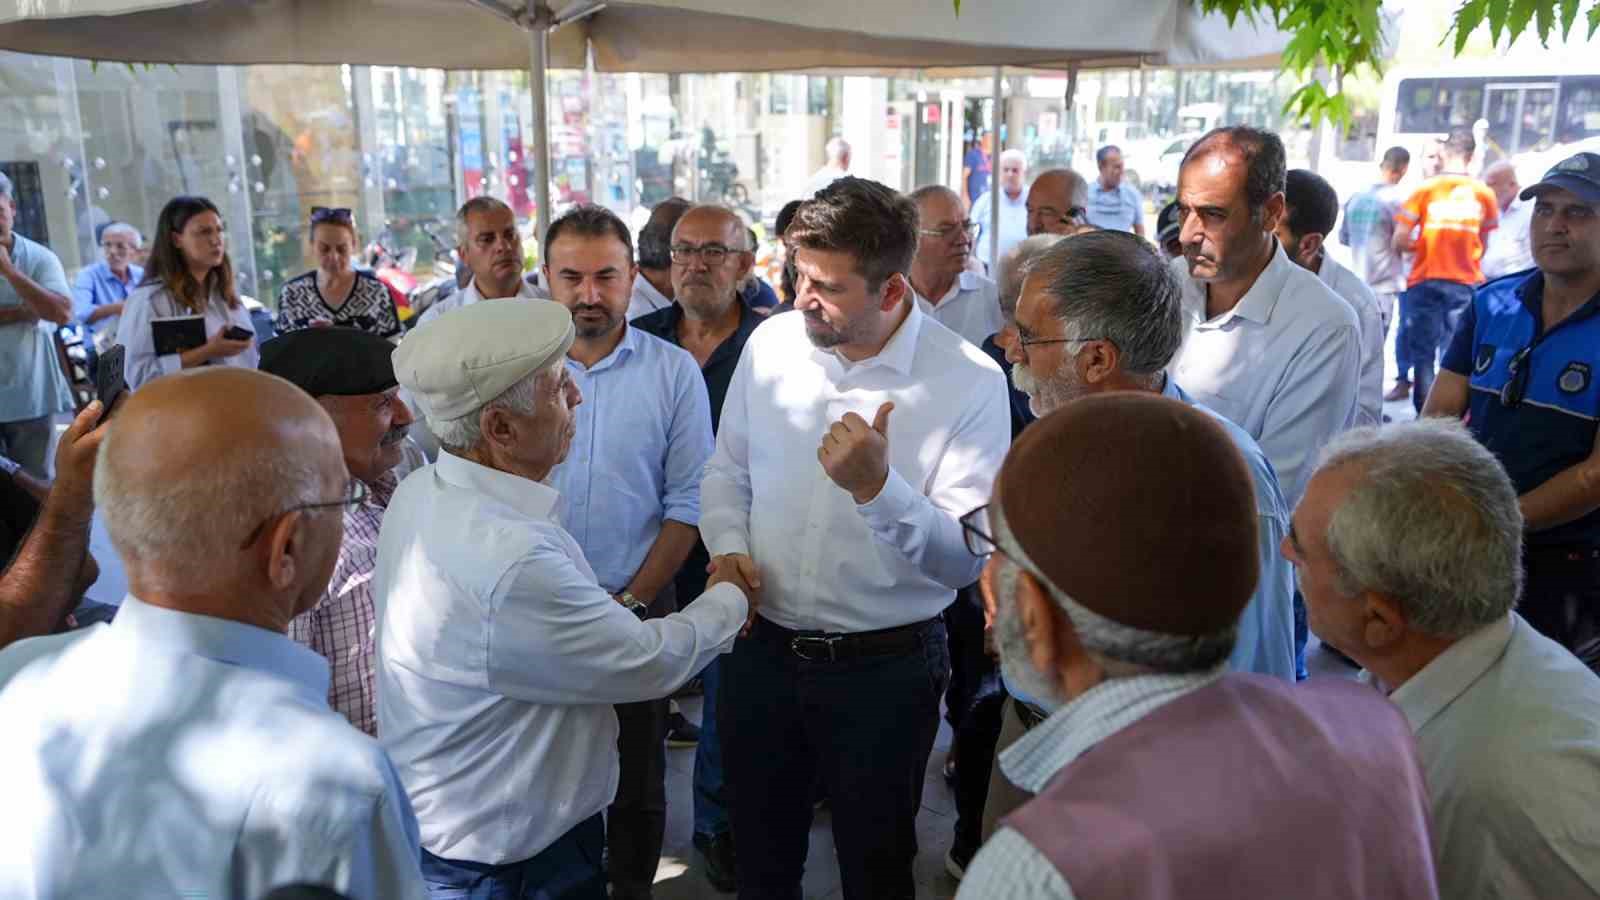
(855,455)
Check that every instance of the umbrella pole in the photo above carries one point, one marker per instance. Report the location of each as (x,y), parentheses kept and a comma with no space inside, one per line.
(996,117)
(538,60)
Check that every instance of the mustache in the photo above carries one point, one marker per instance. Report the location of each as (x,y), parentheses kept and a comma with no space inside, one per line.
(393,436)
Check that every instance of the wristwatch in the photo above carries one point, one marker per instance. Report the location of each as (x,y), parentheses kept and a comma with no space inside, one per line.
(8,466)
(632,604)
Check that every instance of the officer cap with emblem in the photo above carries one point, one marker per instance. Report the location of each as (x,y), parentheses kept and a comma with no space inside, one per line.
(1579,174)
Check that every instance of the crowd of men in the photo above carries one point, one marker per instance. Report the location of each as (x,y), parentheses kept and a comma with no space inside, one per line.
(1096,503)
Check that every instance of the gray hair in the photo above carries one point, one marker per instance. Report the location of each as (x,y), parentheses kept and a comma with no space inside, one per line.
(1015,264)
(1111,286)
(929,191)
(1123,651)
(837,149)
(1434,523)
(1013,154)
(122,228)
(6,190)
(473,207)
(178,528)
(461,434)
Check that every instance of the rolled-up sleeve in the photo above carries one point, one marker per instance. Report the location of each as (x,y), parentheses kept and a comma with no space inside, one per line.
(557,637)
(926,528)
(725,491)
(689,444)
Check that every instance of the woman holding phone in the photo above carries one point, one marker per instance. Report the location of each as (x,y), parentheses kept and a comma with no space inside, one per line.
(336,293)
(187,311)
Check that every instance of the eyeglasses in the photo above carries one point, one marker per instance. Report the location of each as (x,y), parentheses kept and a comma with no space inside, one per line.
(968,228)
(1511,395)
(1025,342)
(341,214)
(713,254)
(356,493)
(974,527)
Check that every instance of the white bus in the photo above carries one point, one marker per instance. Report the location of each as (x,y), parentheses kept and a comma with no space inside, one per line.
(1531,114)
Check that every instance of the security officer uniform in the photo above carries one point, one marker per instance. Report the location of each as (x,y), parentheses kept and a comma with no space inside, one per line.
(1535,402)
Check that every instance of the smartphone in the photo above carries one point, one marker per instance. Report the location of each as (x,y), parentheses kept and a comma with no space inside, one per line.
(110,382)
(235,333)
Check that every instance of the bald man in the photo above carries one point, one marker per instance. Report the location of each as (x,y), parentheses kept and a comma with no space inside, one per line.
(1509,247)
(1058,203)
(193,721)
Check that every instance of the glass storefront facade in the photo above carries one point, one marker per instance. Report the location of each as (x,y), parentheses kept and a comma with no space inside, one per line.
(89,144)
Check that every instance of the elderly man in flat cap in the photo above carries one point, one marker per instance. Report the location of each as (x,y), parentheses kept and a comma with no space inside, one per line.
(350,374)
(1159,774)
(499,654)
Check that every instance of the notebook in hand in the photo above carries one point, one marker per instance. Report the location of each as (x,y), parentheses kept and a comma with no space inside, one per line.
(175,334)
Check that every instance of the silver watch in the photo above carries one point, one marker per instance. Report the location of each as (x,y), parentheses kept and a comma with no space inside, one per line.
(632,604)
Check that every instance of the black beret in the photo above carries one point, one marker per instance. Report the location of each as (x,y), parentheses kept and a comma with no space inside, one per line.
(336,361)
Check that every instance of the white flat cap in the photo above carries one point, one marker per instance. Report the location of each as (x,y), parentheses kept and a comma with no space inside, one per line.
(457,363)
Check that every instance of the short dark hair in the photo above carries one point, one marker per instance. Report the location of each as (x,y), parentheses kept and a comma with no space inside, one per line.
(786,216)
(1312,201)
(1396,158)
(1460,143)
(874,224)
(587,220)
(655,238)
(1263,154)
(1101,154)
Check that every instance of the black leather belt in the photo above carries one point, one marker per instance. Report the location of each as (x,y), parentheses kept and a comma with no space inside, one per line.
(830,647)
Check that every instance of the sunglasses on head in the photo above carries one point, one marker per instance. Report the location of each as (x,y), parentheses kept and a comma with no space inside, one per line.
(320,214)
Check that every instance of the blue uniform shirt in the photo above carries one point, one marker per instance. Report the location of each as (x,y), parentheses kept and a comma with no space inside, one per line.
(1553,428)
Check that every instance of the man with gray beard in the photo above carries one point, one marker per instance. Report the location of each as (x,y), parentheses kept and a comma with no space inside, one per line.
(1156,769)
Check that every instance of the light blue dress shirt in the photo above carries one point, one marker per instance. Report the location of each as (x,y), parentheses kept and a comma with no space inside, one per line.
(1010,868)
(643,439)
(96,286)
(31,383)
(175,755)
(1266,628)
(1118,209)
(1013,224)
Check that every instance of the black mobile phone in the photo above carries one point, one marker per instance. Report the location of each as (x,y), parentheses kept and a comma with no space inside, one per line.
(235,333)
(110,382)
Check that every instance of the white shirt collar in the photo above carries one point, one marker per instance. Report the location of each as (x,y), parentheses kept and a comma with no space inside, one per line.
(897,354)
(1257,303)
(530,497)
(525,291)
(1455,670)
(965,282)
(643,289)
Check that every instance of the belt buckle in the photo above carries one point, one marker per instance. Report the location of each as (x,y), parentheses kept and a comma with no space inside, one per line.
(802,644)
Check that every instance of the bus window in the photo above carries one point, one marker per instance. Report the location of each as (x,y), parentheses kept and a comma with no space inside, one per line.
(1434,105)
(1580,110)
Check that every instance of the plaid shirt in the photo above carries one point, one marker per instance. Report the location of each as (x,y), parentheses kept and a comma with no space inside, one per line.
(340,626)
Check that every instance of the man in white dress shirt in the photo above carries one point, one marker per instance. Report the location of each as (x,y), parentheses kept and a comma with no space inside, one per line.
(187,749)
(1311,207)
(1509,249)
(490,245)
(1271,347)
(962,301)
(853,437)
(1409,545)
(652,284)
(631,486)
(499,654)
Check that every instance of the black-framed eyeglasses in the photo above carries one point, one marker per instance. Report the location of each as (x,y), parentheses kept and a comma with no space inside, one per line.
(356,493)
(340,214)
(1514,390)
(713,254)
(975,528)
(969,228)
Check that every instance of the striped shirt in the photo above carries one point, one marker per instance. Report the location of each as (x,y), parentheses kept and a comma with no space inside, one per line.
(1010,868)
(340,626)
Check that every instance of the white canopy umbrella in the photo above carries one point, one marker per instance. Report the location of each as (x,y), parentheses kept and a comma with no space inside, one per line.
(636,36)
